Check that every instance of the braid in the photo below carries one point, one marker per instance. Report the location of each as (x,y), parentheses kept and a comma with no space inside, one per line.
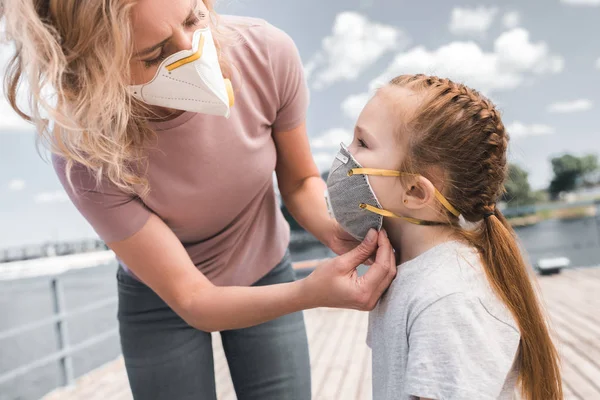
(470,126)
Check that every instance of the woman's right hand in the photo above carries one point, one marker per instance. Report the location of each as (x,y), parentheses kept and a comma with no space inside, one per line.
(335,282)
(157,257)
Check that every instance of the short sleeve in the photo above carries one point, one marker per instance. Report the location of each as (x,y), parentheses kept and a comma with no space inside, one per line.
(288,73)
(369,339)
(458,350)
(114,214)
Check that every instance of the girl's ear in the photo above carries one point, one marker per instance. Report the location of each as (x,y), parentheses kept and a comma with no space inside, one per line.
(419,193)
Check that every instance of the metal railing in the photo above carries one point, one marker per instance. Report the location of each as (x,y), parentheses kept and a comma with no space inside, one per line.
(50,249)
(65,349)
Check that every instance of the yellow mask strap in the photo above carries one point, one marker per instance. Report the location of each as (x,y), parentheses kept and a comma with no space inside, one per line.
(391,173)
(386,213)
(188,59)
(230,94)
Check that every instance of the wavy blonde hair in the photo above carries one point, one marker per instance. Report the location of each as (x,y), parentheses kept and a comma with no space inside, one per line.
(79,51)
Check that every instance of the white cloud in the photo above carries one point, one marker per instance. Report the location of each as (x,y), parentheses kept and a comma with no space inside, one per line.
(16,185)
(519,129)
(354,104)
(516,52)
(598,63)
(354,45)
(459,60)
(511,19)
(331,139)
(592,3)
(472,21)
(570,106)
(514,59)
(310,67)
(58,196)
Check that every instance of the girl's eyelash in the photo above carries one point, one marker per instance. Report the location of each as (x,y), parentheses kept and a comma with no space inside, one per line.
(362,143)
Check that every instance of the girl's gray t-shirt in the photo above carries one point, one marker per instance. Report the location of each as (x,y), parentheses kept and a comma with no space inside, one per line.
(440,332)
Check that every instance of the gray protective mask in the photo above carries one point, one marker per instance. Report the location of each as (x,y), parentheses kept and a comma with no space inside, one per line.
(345,193)
(353,203)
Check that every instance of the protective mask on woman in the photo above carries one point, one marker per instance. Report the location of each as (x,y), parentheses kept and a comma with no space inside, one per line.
(352,201)
(190,80)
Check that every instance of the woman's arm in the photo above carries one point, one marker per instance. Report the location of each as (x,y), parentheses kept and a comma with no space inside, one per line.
(158,258)
(300,183)
(303,190)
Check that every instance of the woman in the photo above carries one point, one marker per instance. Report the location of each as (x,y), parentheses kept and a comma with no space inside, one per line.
(186,199)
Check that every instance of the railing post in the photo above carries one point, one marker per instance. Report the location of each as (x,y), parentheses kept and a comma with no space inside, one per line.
(66,363)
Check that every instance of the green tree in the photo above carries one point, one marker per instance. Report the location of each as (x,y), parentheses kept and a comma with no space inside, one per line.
(590,168)
(570,171)
(589,163)
(518,190)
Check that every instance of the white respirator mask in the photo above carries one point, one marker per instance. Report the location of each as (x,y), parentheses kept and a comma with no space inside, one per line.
(190,80)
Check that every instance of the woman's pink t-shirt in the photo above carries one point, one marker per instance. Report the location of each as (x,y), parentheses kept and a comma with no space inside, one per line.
(210,177)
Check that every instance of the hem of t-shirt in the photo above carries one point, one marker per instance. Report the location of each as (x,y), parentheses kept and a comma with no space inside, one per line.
(128,271)
(172,123)
(278,257)
(288,126)
(431,389)
(281,257)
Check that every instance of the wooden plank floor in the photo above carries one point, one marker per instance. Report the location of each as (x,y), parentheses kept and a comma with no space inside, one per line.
(341,361)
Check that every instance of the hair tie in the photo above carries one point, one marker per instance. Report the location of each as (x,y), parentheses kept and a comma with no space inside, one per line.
(489,214)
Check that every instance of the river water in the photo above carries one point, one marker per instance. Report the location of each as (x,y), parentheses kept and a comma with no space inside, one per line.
(28,300)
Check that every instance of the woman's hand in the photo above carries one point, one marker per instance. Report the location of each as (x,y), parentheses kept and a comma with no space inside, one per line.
(341,241)
(157,257)
(335,282)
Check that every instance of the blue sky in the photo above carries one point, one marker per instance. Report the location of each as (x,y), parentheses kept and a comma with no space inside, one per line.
(536,59)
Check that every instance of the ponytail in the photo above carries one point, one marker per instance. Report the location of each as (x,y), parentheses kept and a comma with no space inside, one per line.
(509,276)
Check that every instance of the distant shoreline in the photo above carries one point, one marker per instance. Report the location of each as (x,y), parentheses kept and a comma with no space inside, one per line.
(560,214)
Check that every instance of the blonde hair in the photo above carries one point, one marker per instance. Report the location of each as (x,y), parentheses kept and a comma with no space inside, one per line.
(79,52)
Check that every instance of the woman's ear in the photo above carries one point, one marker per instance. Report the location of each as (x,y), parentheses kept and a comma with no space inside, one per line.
(419,193)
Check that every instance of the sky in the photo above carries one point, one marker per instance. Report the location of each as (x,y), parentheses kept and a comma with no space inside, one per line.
(538,60)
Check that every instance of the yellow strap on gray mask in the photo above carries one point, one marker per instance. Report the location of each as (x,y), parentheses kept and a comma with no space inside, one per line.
(391,173)
(390,214)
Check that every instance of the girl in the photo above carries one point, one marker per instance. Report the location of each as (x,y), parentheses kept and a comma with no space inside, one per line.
(461,320)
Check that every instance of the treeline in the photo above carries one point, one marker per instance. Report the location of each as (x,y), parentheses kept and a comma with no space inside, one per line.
(571,173)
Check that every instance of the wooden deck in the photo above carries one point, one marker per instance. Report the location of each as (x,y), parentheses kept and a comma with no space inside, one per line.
(340,359)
